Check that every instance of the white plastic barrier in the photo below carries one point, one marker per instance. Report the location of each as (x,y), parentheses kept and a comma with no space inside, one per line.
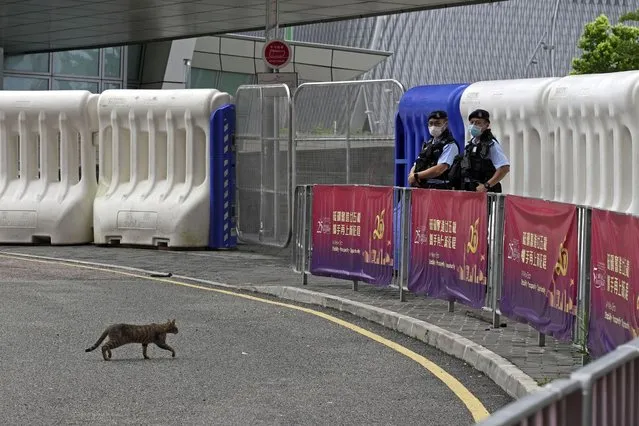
(47,166)
(595,122)
(154,186)
(519,121)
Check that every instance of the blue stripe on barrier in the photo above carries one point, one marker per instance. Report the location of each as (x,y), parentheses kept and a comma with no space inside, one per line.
(222,232)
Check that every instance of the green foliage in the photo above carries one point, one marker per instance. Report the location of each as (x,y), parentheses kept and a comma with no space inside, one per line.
(608,48)
(543,381)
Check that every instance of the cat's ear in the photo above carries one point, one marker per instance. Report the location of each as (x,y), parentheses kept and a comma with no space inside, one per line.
(173,322)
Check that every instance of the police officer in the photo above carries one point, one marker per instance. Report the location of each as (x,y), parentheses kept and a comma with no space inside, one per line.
(431,167)
(484,164)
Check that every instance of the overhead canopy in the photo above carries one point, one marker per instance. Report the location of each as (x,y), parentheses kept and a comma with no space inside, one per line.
(45,25)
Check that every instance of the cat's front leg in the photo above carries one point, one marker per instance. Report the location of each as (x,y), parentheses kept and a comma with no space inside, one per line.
(164,346)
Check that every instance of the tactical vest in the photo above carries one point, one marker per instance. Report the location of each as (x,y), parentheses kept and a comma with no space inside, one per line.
(431,151)
(476,164)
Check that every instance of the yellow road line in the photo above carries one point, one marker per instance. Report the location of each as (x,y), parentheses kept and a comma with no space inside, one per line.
(472,403)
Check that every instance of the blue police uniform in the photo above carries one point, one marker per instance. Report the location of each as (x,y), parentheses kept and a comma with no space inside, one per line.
(437,150)
(483,155)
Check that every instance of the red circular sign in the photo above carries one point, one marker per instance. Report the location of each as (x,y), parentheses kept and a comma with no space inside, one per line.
(276,54)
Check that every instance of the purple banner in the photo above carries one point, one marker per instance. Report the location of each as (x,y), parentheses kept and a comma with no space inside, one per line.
(614,299)
(449,245)
(353,233)
(540,265)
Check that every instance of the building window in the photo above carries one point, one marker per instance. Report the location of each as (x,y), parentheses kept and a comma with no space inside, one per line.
(112,62)
(110,86)
(230,81)
(89,69)
(221,80)
(77,62)
(91,86)
(25,83)
(36,63)
(203,78)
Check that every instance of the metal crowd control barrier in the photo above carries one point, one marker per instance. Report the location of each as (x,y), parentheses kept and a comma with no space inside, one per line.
(303,249)
(302,253)
(327,132)
(495,255)
(264,164)
(344,131)
(303,227)
(558,404)
(603,393)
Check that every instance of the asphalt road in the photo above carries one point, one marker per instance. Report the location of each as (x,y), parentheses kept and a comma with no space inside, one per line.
(238,361)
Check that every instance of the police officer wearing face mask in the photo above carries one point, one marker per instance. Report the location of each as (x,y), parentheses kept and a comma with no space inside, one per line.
(431,167)
(484,164)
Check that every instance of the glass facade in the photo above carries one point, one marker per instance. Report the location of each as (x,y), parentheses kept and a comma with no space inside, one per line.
(221,80)
(94,70)
(97,70)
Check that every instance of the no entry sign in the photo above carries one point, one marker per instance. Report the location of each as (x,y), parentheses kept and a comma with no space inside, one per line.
(276,54)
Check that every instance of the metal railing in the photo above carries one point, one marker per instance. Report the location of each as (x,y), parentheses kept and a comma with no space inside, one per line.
(303,229)
(603,393)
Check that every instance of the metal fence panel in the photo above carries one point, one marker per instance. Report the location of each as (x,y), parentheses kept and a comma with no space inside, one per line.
(584,215)
(303,236)
(302,228)
(344,132)
(556,404)
(611,387)
(264,164)
(495,254)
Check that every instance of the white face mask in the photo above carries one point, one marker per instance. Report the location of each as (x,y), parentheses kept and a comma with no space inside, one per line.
(435,131)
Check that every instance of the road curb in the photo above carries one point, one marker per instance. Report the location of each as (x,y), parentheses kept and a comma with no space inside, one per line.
(505,374)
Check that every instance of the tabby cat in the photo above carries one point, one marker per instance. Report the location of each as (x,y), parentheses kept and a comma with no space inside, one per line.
(121,334)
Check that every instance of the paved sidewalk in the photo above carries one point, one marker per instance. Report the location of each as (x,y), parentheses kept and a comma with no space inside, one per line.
(270,269)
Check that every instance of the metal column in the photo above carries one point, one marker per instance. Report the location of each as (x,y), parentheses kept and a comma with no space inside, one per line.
(270,144)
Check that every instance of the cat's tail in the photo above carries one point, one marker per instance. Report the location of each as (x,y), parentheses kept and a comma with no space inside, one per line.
(104,335)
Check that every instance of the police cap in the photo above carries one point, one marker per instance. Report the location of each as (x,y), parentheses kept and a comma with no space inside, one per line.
(479,113)
(436,115)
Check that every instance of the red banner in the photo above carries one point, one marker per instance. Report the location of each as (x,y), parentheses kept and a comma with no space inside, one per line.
(449,245)
(540,265)
(614,298)
(353,235)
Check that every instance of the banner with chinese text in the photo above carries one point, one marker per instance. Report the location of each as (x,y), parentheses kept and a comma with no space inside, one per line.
(614,296)
(353,233)
(449,233)
(540,265)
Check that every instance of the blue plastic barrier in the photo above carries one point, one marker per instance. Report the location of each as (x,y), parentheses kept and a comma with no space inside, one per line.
(222,232)
(411,131)
(411,122)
